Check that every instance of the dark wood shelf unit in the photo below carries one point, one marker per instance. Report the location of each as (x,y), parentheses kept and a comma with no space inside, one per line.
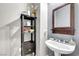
(28,46)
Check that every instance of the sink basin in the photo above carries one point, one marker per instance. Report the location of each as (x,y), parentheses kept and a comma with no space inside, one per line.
(60,48)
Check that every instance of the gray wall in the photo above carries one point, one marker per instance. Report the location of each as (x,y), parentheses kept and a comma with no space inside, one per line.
(75,37)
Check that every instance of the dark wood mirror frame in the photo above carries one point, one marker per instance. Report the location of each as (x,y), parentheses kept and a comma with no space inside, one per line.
(64,30)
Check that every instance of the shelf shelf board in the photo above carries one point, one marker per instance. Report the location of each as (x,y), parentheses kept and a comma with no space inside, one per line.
(27,17)
(28,45)
(27,26)
(28,32)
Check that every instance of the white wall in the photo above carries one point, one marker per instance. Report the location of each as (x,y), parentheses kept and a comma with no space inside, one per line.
(4,41)
(38,31)
(75,37)
(10,12)
(9,18)
(43,29)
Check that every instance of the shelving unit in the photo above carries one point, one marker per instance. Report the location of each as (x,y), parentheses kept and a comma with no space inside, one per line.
(28,46)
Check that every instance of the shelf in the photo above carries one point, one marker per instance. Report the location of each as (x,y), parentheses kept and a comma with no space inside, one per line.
(29,26)
(27,17)
(29,31)
(28,46)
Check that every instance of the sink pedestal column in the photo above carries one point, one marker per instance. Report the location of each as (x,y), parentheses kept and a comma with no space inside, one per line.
(57,54)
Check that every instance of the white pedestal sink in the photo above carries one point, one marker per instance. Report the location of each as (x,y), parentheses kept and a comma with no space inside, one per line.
(60,48)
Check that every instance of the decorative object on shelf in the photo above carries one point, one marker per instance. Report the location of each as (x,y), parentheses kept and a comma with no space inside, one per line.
(28,25)
(34,10)
(28,29)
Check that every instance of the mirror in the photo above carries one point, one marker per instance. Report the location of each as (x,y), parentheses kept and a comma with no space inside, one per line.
(63,19)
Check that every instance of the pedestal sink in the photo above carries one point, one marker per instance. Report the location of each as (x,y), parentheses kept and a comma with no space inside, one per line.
(60,48)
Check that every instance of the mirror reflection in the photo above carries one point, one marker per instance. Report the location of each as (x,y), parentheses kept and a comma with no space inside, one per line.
(62,17)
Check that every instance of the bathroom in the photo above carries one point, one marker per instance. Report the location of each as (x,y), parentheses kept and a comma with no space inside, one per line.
(10,28)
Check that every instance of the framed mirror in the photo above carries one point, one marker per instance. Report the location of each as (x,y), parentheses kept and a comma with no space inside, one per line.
(63,19)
